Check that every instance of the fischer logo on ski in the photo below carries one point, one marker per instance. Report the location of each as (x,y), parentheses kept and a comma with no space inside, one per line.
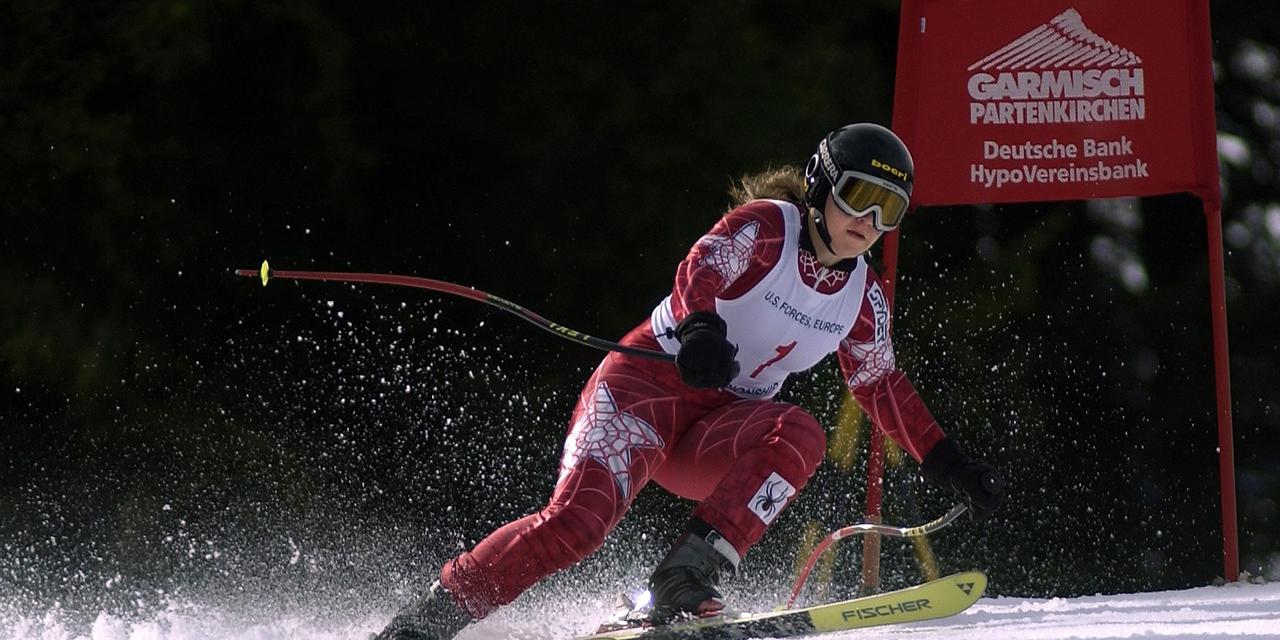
(906,606)
(929,601)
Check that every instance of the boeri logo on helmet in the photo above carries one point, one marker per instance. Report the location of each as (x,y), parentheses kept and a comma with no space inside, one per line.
(1059,72)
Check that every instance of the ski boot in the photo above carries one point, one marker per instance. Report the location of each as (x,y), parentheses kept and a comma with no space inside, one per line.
(431,616)
(686,583)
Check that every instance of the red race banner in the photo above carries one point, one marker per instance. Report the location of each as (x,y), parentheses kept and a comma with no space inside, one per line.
(1034,100)
(1017,100)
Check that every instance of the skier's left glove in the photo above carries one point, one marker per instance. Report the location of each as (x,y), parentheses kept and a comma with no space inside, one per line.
(978,483)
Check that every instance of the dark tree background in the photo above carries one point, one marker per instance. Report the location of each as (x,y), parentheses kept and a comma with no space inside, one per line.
(170,428)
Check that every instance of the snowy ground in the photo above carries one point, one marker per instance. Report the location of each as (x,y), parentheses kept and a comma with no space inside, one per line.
(1209,612)
(1240,610)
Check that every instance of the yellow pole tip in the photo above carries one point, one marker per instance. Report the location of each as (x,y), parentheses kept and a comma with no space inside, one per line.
(265,272)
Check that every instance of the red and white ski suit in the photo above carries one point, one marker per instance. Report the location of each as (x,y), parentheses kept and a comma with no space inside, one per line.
(742,455)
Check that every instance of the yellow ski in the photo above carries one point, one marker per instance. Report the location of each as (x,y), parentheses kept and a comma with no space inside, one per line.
(937,599)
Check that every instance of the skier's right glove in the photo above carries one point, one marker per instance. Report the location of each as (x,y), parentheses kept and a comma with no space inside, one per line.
(705,358)
(978,483)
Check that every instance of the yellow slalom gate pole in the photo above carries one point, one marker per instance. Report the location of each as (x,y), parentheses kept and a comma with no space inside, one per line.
(842,450)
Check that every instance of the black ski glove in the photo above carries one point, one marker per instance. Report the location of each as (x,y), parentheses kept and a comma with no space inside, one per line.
(978,483)
(705,358)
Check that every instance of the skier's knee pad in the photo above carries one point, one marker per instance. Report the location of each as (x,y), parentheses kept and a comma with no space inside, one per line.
(803,433)
(575,531)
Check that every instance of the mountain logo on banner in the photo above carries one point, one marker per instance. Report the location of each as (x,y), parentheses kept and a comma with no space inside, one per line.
(1059,72)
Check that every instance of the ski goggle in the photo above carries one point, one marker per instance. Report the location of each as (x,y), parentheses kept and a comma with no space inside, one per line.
(858,194)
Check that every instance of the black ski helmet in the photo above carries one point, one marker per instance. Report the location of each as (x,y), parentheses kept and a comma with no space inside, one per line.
(866,147)
(863,147)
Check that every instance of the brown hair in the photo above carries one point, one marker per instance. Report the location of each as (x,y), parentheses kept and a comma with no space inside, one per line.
(776,183)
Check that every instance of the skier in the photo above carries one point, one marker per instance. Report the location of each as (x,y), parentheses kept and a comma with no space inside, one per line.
(778,283)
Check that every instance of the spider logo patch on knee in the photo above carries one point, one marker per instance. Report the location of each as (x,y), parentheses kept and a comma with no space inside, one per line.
(771,497)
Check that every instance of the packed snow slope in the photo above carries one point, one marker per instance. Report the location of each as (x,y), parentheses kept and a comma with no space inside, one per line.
(1239,610)
(1233,611)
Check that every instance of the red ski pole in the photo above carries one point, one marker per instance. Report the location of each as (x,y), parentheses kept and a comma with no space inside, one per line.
(266,273)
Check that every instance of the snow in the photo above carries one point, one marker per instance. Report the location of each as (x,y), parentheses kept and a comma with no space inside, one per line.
(1237,610)
(1233,611)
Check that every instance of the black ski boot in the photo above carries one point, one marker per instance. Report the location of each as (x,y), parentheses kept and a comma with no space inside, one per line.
(431,616)
(686,582)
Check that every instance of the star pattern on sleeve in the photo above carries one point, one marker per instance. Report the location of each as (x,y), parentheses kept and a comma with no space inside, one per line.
(730,255)
(876,358)
(607,435)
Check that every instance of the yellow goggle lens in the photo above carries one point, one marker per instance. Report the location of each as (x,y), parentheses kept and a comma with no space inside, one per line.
(857,196)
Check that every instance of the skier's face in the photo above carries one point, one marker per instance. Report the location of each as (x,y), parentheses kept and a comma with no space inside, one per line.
(851,236)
